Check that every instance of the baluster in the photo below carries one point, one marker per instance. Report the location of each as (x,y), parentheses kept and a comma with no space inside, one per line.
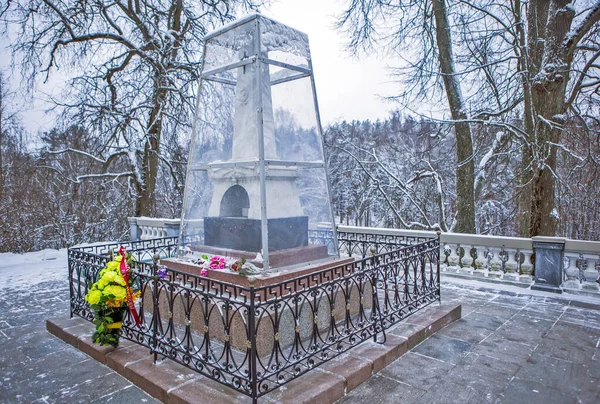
(466,261)
(480,262)
(511,265)
(443,257)
(453,258)
(495,263)
(571,272)
(526,267)
(590,273)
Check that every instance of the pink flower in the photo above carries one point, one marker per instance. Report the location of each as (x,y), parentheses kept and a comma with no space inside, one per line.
(217,262)
(204,272)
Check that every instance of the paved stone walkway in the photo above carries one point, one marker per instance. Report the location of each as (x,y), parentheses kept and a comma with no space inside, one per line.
(509,347)
(35,366)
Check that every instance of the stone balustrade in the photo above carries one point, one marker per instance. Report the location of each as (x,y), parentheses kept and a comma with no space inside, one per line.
(507,258)
(503,259)
(582,259)
(146,228)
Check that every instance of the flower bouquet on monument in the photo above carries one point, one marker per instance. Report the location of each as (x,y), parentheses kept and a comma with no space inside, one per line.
(239,266)
(110,297)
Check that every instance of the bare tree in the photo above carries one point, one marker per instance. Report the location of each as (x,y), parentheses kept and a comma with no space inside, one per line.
(425,24)
(5,121)
(2,117)
(465,168)
(529,69)
(390,173)
(554,52)
(133,69)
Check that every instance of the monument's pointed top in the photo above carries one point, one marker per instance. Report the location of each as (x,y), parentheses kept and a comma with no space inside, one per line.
(246,19)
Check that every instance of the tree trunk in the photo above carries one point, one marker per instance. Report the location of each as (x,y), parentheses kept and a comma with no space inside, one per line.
(465,169)
(1,141)
(524,193)
(529,60)
(146,200)
(548,101)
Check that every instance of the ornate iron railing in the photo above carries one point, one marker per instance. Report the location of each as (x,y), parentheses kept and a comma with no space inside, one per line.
(255,339)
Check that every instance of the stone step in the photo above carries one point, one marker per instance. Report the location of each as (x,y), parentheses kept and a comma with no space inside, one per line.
(173,383)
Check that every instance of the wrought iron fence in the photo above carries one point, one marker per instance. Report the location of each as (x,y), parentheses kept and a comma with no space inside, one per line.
(256,339)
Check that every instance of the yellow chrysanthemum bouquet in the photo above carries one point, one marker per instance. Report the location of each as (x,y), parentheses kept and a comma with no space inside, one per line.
(109,297)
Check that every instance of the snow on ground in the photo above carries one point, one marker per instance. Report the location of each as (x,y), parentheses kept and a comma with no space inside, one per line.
(22,271)
(35,366)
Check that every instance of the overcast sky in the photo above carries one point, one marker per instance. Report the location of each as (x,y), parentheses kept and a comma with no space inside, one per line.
(347,88)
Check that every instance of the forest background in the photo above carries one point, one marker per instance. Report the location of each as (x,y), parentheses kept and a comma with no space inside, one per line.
(516,151)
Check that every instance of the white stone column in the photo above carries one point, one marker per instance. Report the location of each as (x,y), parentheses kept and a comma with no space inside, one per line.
(466,261)
(590,273)
(572,272)
(495,264)
(511,265)
(453,258)
(526,267)
(480,261)
(134,230)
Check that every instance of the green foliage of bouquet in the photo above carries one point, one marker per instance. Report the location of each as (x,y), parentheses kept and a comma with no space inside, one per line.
(108,299)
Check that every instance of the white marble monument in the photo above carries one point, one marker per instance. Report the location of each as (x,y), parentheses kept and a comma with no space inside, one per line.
(282,195)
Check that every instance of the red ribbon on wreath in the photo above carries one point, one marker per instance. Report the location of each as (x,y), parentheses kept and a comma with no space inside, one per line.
(125,272)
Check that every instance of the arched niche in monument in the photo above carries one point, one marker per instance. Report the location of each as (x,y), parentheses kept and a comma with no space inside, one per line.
(257,130)
(235,202)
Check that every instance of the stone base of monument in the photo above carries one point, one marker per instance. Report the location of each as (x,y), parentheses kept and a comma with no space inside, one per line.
(318,254)
(171,382)
(241,233)
(277,259)
(289,324)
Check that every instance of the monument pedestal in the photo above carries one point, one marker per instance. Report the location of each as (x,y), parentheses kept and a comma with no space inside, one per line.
(323,309)
(241,233)
(308,255)
(263,280)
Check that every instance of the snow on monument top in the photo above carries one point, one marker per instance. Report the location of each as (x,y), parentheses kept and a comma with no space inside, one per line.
(274,36)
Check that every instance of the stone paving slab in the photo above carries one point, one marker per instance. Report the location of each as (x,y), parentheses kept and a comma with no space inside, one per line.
(171,382)
(417,370)
(445,349)
(380,389)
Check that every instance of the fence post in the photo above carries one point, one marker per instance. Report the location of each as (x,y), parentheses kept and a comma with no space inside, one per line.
(156,257)
(70,264)
(377,317)
(134,230)
(252,340)
(548,263)
(439,258)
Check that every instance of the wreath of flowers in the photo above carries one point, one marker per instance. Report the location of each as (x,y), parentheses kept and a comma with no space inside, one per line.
(108,299)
